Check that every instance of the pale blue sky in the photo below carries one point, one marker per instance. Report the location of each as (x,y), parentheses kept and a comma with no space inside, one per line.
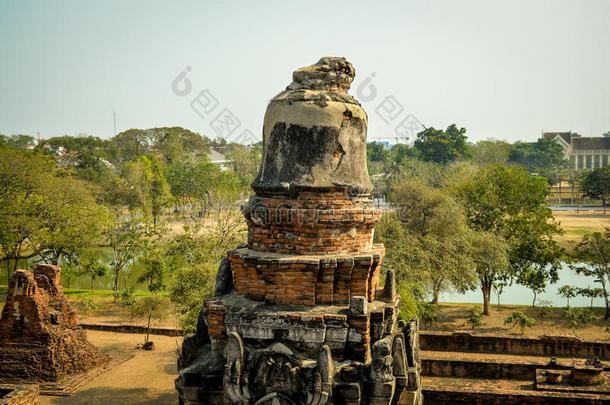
(501,69)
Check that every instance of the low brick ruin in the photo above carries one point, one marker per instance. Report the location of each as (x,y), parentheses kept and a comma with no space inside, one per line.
(19,394)
(299,316)
(40,340)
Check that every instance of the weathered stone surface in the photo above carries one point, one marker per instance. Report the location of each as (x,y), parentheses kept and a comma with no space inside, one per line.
(224,278)
(314,134)
(40,339)
(358,305)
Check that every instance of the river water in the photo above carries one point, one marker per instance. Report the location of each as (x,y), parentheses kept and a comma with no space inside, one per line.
(519,295)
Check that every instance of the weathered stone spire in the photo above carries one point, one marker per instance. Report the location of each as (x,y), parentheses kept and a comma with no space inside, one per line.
(314,134)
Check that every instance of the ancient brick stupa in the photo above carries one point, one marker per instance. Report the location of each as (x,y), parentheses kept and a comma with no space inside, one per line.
(299,316)
(40,340)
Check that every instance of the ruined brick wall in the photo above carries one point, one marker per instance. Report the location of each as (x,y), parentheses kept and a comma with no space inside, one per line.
(40,339)
(544,345)
(307,280)
(19,394)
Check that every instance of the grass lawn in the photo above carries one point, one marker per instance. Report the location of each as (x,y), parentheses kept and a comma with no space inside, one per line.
(576,224)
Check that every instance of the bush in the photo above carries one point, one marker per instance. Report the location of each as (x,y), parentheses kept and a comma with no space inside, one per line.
(89,304)
(543,309)
(427,313)
(190,285)
(474,318)
(518,318)
(153,307)
(126,297)
(576,316)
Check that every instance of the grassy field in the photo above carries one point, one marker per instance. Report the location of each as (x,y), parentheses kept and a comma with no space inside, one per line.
(576,224)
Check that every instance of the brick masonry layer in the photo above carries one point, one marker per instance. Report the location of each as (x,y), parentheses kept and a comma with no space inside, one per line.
(311,223)
(306,280)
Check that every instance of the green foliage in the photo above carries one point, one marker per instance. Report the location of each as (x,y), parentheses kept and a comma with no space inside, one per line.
(43,210)
(591,293)
(377,152)
(506,201)
(567,292)
(490,151)
(156,267)
(244,161)
(190,286)
(442,146)
(126,297)
(127,236)
(578,316)
(591,257)
(543,309)
(93,269)
(543,154)
(427,313)
(427,238)
(15,142)
(596,184)
(89,303)
(490,258)
(474,318)
(518,318)
(153,307)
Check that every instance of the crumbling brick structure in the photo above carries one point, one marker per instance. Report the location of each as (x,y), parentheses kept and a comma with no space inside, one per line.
(298,316)
(40,340)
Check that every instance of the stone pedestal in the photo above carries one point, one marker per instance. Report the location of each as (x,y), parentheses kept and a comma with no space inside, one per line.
(299,316)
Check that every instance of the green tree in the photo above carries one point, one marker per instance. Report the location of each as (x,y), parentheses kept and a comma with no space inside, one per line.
(542,154)
(377,152)
(596,184)
(490,151)
(567,292)
(16,142)
(155,268)
(441,146)
(518,318)
(126,238)
(591,293)
(490,256)
(152,307)
(506,201)
(439,244)
(474,318)
(93,269)
(245,161)
(591,257)
(160,195)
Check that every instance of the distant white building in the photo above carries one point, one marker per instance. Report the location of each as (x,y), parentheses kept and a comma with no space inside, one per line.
(583,152)
(218,159)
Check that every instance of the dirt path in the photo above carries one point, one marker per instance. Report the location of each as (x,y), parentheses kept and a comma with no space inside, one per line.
(146,379)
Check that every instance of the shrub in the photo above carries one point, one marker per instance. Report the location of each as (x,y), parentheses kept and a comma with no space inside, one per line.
(190,285)
(474,318)
(153,307)
(543,309)
(518,318)
(427,313)
(126,297)
(576,316)
(89,303)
